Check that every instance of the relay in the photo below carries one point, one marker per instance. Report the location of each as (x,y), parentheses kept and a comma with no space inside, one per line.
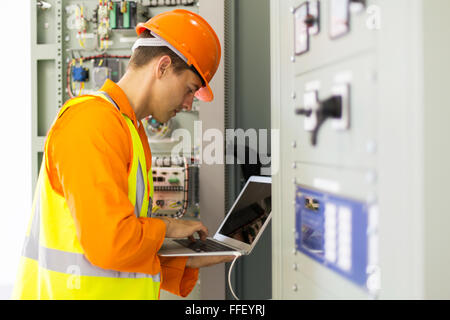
(80,74)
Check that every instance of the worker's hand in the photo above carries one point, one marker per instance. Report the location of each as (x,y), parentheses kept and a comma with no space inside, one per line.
(184,228)
(206,261)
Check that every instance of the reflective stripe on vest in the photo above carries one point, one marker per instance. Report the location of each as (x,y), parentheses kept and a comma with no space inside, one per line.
(53,264)
(60,261)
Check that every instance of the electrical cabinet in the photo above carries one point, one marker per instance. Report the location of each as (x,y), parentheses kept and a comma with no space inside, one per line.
(356,90)
(76,46)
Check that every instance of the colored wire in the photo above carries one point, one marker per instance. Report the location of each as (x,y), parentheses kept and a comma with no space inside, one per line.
(89,58)
(183,211)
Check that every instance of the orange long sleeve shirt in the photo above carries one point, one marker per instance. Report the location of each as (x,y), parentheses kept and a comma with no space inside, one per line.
(89,155)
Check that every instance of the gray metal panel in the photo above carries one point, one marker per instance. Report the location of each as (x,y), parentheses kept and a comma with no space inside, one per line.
(212,177)
(324,51)
(437,149)
(275,83)
(340,158)
(404,93)
(46,64)
(252,78)
(252,64)
(400,154)
(346,148)
(413,103)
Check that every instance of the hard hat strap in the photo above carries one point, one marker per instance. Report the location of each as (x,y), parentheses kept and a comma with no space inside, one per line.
(157,41)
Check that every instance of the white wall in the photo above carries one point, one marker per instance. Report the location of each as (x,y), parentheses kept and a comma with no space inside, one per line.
(15,137)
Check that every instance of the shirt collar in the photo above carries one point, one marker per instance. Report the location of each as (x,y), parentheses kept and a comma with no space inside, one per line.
(116,93)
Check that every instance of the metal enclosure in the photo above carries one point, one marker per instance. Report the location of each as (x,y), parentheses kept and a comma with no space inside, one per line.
(251,71)
(374,183)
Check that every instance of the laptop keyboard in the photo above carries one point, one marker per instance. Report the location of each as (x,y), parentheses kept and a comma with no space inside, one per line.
(203,246)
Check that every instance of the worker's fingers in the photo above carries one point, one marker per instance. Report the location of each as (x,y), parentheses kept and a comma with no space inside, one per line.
(185,228)
(202,232)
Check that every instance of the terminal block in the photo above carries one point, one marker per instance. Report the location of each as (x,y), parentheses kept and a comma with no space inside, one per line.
(171,185)
(123,14)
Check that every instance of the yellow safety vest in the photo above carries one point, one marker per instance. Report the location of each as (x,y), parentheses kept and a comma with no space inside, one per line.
(53,265)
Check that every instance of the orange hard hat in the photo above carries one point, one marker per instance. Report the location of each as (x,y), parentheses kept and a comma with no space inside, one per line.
(193,38)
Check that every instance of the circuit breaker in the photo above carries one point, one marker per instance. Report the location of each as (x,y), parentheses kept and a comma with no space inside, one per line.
(350,101)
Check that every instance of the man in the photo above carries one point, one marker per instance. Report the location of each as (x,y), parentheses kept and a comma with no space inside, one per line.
(91,235)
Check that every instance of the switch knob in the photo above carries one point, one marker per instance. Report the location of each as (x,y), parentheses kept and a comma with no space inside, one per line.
(328,109)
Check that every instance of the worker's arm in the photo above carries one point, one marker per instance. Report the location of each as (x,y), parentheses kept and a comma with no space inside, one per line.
(89,154)
(207,261)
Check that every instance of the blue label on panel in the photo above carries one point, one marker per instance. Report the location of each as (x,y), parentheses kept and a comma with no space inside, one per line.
(333,231)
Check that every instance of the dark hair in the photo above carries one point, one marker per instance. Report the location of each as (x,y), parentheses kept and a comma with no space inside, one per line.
(143,55)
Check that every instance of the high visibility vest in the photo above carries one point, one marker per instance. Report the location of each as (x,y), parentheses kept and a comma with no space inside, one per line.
(53,265)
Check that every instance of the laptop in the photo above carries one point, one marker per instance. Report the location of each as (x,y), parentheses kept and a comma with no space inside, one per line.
(239,231)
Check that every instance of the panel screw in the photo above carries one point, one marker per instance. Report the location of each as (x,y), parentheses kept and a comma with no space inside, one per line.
(295,288)
(292,58)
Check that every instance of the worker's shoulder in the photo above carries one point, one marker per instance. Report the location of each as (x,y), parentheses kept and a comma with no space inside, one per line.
(91,105)
(90,110)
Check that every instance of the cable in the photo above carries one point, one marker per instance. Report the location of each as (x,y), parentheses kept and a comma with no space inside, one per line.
(74,61)
(237,254)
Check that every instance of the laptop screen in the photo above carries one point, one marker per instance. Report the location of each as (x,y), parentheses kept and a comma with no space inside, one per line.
(249,213)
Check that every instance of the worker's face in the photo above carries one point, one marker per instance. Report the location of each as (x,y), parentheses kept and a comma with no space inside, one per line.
(175,92)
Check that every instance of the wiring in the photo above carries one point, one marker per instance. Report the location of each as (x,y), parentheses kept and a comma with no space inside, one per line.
(80,60)
(183,211)
(237,255)
(81,26)
(178,205)
(157,130)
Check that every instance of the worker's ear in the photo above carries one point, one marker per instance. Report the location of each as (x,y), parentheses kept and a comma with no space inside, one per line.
(163,66)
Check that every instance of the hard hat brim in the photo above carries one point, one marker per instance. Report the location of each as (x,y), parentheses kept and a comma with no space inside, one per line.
(205,94)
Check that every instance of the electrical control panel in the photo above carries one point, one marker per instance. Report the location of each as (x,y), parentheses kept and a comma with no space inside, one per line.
(173,177)
(339,233)
(354,83)
(328,168)
(81,44)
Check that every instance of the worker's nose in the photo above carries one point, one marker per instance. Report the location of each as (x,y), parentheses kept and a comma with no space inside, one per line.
(187,103)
